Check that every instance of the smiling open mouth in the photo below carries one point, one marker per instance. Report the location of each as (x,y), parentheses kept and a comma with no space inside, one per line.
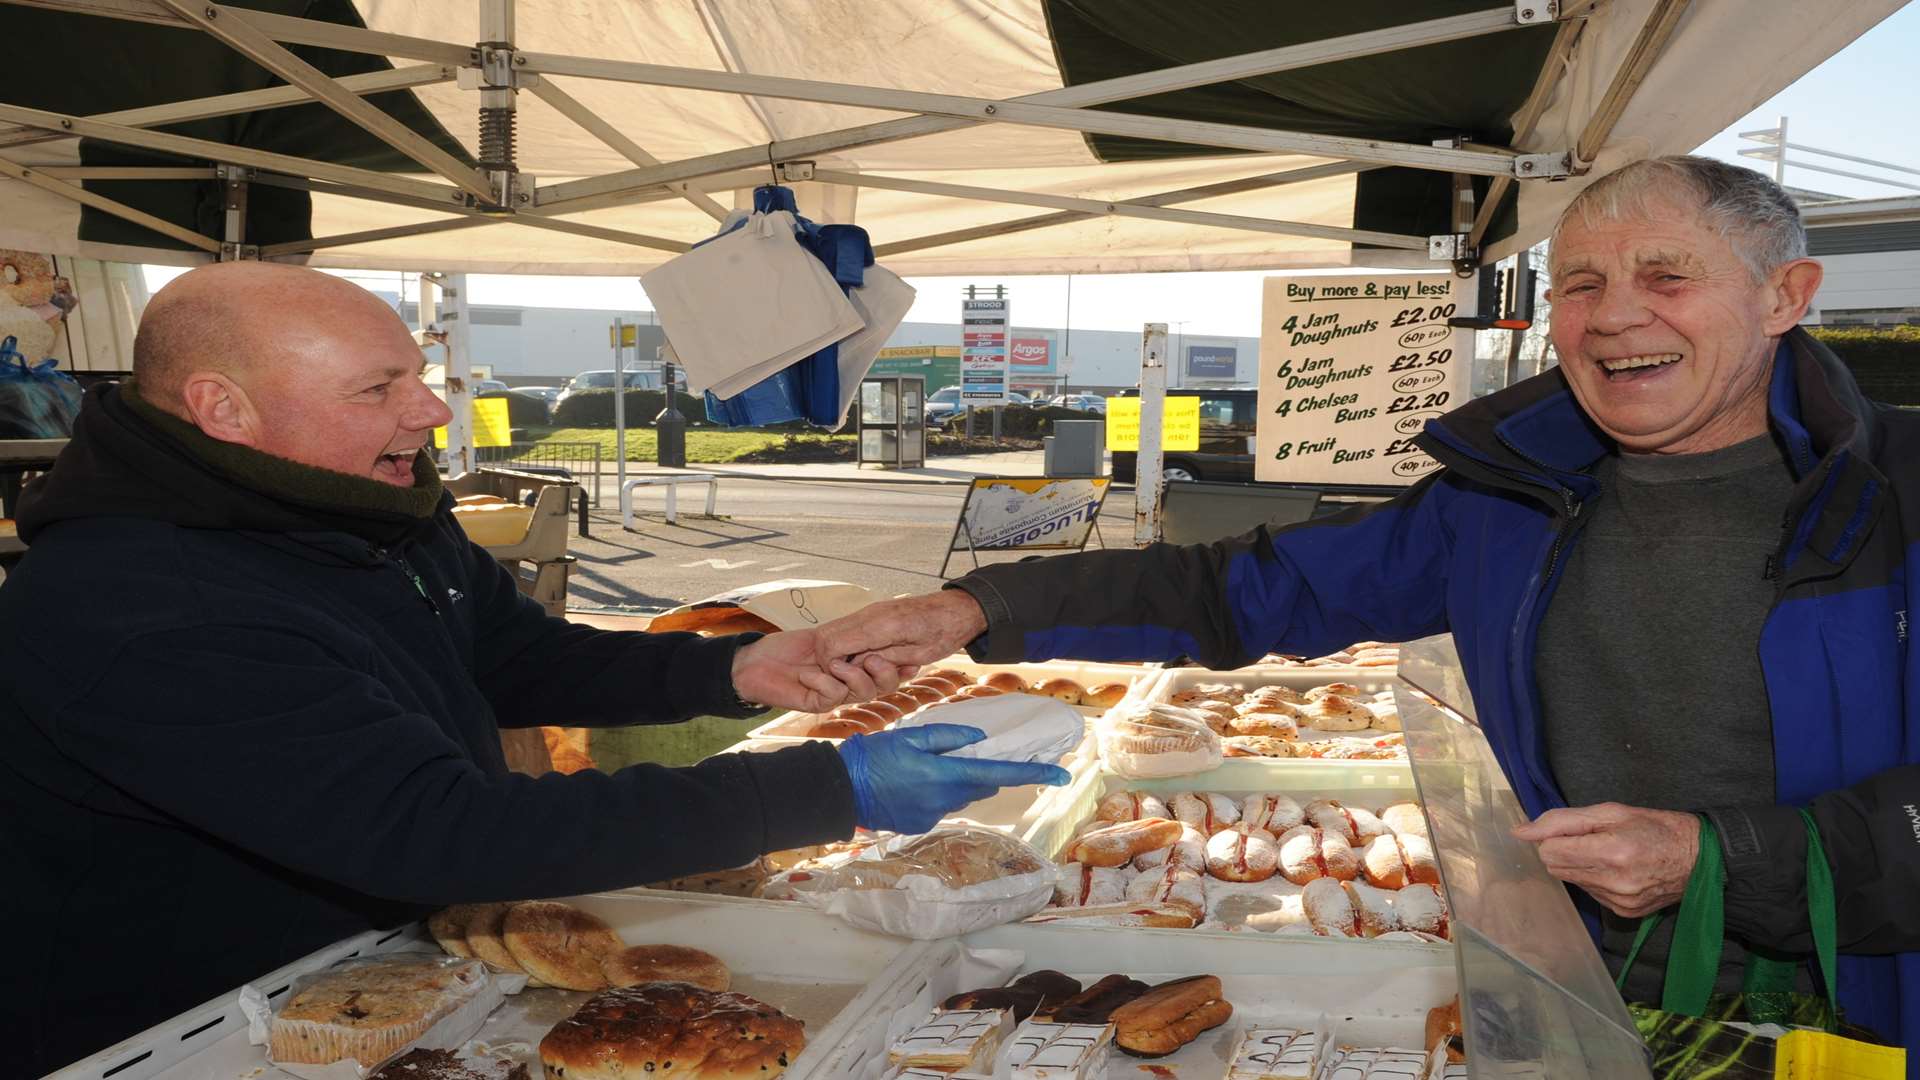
(1628,367)
(397,466)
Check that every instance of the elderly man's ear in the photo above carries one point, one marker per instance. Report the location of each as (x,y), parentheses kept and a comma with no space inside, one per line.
(220,408)
(1790,290)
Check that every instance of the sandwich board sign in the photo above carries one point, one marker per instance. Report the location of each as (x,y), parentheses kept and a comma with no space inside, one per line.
(1004,513)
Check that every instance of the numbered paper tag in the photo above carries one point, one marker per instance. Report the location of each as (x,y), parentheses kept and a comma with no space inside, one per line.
(1351,368)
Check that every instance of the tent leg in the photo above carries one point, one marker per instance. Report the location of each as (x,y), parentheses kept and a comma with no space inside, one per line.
(233,194)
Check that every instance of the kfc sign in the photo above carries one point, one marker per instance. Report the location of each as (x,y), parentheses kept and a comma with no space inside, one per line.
(1032,352)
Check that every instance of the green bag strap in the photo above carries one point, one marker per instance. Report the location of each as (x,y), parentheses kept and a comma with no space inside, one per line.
(1822,910)
(1647,927)
(1699,930)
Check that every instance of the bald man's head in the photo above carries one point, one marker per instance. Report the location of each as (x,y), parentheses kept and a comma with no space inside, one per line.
(290,361)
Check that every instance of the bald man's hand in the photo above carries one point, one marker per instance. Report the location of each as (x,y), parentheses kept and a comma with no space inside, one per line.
(909,632)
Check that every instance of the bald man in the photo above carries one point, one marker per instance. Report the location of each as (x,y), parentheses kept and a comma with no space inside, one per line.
(253,675)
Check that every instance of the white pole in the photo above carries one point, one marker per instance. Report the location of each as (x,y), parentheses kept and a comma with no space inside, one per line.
(460,456)
(1147,480)
(619,404)
(1780,159)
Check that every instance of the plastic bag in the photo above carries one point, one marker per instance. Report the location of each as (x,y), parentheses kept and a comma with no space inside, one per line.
(950,881)
(468,993)
(1145,741)
(37,401)
(1019,727)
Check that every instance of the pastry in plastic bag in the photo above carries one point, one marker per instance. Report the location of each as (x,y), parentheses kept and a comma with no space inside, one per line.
(950,881)
(1157,740)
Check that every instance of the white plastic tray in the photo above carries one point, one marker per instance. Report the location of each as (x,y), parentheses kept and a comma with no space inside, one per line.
(795,725)
(1369,784)
(815,968)
(1373,997)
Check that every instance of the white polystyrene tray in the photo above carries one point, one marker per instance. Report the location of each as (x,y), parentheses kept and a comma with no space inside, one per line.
(795,725)
(815,968)
(1369,784)
(1373,996)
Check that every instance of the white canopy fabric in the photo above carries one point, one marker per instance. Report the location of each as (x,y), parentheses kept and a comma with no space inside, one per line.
(1722,61)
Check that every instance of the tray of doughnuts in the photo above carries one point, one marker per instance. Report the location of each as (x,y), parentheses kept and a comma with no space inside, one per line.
(1090,688)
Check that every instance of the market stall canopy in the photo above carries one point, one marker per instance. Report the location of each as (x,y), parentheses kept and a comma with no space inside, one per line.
(967,136)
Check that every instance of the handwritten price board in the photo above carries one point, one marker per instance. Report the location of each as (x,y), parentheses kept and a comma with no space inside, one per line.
(1351,368)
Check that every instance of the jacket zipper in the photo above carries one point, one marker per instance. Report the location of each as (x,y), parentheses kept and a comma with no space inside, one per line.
(1568,503)
(406,568)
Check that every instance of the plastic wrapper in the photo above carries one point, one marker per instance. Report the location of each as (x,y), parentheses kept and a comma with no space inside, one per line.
(950,881)
(37,401)
(461,994)
(1019,727)
(1145,741)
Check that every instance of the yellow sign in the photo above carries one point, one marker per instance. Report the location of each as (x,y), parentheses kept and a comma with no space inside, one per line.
(629,334)
(910,352)
(1179,423)
(490,425)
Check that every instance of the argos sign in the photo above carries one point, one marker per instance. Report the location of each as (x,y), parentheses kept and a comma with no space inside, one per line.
(1031,352)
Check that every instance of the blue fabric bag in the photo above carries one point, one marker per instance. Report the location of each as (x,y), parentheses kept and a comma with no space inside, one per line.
(36,400)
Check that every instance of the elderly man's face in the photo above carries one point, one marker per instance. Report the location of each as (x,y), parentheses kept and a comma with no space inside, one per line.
(1663,335)
(346,393)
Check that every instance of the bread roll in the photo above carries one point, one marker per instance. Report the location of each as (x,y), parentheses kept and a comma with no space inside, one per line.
(1420,907)
(1118,843)
(1405,818)
(665,963)
(1243,855)
(1274,695)
(934,682)
(559,944)
(1062,689)
(1170,1016)
(1383,864)
(1206,692)
(904,702)
(1274,813)
(921,694)
(1081,885)
(1131,806)
(1259,746)
(1308,854)
(1336,689)
(1421,865)
(979,690)
(1372,909)
(1270,725)
(1329,908)
(953,675)
(1336,713)
(449,928)
(1190,852)
(482,932)
(1105,695)
(860,714)
(887,713)
(660,1029)
(1366,824)
(1171,885)
(1204,810)
(837,729)
(1385,717)
(1005,681)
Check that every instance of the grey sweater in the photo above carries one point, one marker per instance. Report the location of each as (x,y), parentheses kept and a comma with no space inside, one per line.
(1648,663)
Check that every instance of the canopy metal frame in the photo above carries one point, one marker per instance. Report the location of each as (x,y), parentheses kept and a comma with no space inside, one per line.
(496,193)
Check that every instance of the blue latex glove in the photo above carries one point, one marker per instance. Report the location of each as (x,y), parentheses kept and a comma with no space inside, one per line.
(904,783)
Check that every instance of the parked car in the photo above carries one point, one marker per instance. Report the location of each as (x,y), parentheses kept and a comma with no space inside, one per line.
(940,405)
(603,380)
(548,394)
(1227,420)
(486,386)
(1092,403)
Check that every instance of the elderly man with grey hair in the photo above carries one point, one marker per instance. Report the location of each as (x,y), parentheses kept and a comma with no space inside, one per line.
(1677,567)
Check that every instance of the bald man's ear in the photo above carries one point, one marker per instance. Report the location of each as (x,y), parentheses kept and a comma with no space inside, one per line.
(220,408)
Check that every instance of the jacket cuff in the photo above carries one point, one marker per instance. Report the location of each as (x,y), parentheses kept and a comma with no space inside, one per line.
(701,681)
(806,796)
(989,647)
(1766,859)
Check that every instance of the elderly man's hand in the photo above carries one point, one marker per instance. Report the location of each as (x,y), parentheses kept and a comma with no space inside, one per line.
(909,632)
(1631,859)
(784,670)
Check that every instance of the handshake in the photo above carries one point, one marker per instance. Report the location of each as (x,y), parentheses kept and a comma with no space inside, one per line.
(902,780)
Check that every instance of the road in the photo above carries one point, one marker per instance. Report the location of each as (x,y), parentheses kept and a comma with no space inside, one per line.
(888,537)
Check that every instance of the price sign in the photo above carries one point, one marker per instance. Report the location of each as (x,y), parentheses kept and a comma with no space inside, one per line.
(1351,369)
(1179,423)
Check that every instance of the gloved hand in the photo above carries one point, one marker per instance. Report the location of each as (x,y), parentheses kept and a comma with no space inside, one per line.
(904,783)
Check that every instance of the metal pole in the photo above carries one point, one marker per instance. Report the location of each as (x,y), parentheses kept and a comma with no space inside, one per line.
(619,404)
(1780,159)
(460,457)
(1147,480)
(1066,348)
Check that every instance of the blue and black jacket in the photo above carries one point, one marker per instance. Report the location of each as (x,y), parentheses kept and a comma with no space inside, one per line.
(1476,550)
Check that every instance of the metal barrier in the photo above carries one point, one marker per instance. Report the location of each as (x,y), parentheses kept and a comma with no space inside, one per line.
(581,460)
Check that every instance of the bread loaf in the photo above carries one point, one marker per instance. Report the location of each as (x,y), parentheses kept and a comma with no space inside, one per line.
(1118,843)
(677,1029)
(1170,1016)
